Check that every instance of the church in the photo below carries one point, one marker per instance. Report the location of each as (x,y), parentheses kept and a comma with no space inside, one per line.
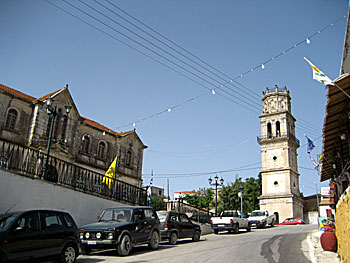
(27,121)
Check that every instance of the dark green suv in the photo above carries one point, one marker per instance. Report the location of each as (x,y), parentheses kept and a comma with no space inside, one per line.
(122,228)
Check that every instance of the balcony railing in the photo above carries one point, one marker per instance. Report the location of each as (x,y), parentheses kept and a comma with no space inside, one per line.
(29,162)
(291,136)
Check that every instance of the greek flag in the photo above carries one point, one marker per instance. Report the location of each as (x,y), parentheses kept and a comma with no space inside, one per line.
(150,189)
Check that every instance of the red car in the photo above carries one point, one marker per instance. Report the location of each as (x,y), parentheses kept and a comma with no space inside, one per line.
(292,221)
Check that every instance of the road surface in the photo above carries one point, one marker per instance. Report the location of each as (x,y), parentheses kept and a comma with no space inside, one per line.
(281,244)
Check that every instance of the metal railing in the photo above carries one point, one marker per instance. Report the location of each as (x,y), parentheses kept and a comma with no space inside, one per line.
(195,214)
(29,162)
(285,135)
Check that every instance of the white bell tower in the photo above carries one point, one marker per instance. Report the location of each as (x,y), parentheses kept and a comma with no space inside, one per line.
(280,176)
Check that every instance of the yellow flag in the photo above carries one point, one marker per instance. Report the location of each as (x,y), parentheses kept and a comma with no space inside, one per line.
(110,174)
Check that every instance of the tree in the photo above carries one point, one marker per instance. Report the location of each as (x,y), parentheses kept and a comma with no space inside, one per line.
(229,199)
(157,203)
(203,198)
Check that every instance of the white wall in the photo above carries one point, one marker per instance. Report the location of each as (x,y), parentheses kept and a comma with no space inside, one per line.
(24,193)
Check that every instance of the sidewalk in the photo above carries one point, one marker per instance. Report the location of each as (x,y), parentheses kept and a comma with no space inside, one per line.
(316,253)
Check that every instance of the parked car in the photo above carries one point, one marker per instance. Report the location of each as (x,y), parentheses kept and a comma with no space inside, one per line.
(261,218)
(230,220)
(292,221)
(26,235)
(122,228)
(174,226)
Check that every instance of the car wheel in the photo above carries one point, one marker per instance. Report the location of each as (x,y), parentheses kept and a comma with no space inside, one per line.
(272,223)
(249,228)
(124,246)
(86,250)
(216,231)
(173,238)
(154,241)
(196,236)
(3,258)
(236,229)
(69,254)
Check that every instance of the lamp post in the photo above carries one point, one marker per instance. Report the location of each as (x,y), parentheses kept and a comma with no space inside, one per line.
(216,190)
(52,112)
(240,194)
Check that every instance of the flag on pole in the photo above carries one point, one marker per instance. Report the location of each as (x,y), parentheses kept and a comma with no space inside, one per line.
(318,75)
(310,145)
(111,173)
(150,189)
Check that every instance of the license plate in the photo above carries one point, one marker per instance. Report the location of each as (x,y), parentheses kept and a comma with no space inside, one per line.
(221,225)
(91,242)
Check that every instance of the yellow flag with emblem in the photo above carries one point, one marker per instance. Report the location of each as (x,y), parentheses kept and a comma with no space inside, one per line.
(111,173)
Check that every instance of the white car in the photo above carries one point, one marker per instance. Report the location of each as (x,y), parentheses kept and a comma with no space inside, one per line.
(230,220)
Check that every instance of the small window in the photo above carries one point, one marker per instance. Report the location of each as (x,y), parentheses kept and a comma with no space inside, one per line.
(278,129)
(29,223)
(269,130)
(139,215)
(150,214)
(11,119)
(184,219)
(101,150)
(52,221)
(85,144)
(128,158)
(69,220)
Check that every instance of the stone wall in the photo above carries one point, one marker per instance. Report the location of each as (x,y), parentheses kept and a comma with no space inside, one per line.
(21,193)
(343,226)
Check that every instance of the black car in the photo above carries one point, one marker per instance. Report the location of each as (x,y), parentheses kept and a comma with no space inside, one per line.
(174,226)
(122,228)
(26,235)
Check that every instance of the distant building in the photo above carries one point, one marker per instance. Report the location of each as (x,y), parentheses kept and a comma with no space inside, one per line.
(180,195)
(75,139)
(156,191)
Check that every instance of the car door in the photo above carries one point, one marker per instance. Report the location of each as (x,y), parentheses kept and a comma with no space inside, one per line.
(141,226)
(53,231)
(25,237)
(186,225)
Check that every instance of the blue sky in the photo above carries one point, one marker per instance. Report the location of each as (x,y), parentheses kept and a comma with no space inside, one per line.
(43,48)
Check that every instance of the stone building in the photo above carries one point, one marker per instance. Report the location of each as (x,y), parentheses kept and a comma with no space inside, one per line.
(280,176)
(75,139)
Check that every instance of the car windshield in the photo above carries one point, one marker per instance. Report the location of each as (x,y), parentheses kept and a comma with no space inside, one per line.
(162,216)
(229,214)
(257,213)
(6,220)
(120,215)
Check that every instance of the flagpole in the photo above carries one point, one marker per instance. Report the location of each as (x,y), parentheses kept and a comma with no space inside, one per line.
(115,177)
(342,90)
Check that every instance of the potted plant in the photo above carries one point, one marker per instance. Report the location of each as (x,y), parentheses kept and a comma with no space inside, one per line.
(328,238)
(332,185)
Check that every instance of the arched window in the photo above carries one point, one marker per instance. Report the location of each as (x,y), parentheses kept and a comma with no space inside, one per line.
(85,144)
(101,150)
(11,119)
(128,158)
(269,130)
(278,129)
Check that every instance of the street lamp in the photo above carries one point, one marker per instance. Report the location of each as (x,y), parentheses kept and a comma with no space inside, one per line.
(216,190)
(53,113)
(240,194)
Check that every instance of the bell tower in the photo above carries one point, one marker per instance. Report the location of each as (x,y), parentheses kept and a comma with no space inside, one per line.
(280,176)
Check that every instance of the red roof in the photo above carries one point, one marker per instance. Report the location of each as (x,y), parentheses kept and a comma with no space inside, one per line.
(86,121)
(16,93)
(104,128)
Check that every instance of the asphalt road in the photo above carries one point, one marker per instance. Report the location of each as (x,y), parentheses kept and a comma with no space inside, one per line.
(281,244)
